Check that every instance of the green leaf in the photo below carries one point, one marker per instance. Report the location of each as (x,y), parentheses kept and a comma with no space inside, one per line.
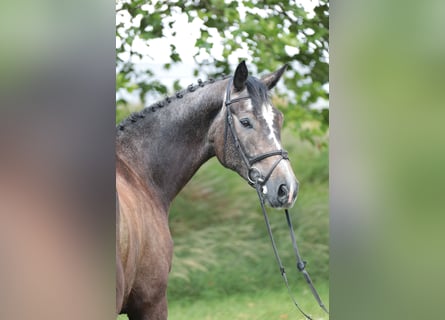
(145,21)
(176,85)
(175,57)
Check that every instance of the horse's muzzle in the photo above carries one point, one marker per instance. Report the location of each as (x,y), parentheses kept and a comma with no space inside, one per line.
(280,195)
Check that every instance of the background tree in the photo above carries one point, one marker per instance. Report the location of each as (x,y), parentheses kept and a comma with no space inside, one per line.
(270,33)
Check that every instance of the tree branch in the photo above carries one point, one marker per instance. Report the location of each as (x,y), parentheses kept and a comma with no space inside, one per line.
(283,11)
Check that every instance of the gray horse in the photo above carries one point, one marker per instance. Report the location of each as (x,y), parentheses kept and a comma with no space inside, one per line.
(159,149)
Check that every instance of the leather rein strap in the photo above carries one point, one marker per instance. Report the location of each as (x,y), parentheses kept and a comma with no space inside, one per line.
(257,180)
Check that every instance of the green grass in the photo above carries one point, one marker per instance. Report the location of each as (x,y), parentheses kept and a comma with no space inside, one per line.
(224,267)
(259,305)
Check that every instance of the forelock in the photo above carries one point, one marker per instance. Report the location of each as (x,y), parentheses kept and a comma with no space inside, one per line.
(258,93)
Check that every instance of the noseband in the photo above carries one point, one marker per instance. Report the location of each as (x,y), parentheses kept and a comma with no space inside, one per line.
(254,176)
(257,180)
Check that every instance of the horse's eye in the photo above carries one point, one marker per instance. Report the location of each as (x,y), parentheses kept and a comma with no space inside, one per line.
(246,123)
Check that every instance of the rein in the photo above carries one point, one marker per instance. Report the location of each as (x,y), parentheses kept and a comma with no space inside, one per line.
(257,180)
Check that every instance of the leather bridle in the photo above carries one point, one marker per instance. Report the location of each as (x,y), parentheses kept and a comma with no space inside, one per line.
(257,180)
(254,176)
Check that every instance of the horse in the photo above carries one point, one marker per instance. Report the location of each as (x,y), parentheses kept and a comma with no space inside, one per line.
(160,148)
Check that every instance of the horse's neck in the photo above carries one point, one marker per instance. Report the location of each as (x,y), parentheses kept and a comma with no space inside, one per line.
(169,145)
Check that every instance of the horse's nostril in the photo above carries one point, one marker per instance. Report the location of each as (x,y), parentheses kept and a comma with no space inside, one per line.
(283,193)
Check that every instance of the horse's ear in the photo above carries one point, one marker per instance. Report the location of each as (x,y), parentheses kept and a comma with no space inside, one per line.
(271,79)
(241,73)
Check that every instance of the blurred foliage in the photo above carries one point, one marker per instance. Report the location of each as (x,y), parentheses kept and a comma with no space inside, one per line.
(274,33)
(387,211)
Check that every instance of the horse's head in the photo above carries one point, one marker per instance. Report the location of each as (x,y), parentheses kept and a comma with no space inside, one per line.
(247,137)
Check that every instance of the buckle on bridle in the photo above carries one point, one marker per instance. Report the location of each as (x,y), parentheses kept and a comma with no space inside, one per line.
(254,176)
(301,265)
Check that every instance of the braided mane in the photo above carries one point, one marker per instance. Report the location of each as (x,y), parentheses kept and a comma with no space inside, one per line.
(135,116)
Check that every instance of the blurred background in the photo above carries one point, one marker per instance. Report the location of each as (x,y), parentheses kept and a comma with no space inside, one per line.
(387,159)
(223,265)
